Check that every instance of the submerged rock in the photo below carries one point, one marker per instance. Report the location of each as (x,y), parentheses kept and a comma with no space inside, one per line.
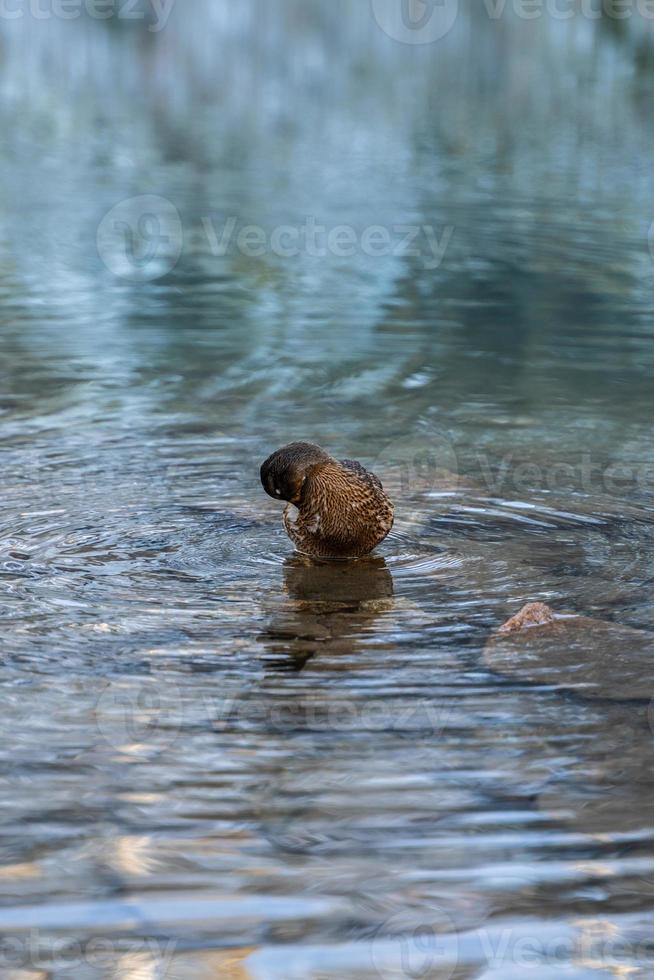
(592,657)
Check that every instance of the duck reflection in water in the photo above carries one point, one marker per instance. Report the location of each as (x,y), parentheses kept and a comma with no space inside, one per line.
(329,606)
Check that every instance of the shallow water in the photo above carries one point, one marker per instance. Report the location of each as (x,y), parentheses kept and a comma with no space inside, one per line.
(221,759)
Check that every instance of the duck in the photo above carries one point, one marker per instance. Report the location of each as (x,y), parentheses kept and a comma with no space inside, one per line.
(334,508)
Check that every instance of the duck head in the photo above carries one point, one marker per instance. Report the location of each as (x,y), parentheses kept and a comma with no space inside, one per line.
(284,473)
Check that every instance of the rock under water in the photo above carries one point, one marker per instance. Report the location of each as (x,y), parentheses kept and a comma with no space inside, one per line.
(595,658)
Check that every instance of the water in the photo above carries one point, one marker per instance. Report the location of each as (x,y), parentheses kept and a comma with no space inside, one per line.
(219,759)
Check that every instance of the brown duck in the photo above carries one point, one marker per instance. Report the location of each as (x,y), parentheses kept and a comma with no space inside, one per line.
(336,508)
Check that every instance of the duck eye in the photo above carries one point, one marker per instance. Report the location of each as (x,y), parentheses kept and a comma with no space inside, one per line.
(277,491)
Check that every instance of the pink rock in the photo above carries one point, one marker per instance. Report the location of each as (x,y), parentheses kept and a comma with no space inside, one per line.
(533,614)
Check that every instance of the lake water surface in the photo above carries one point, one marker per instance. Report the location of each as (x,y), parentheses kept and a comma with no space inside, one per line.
(216,758)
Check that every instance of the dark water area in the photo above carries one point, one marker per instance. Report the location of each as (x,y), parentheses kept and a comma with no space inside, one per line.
(217,758)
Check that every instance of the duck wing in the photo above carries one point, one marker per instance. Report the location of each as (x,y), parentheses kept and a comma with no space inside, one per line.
(355,467)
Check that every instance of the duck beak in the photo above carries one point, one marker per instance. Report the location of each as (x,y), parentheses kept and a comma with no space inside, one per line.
(297,497)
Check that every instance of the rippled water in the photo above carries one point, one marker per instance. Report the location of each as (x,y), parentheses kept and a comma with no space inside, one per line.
(221,759)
